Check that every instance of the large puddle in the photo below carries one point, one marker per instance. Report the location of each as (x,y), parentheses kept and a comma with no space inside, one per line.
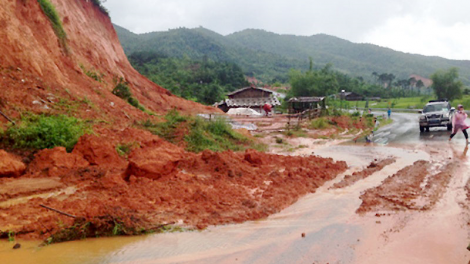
(326,218)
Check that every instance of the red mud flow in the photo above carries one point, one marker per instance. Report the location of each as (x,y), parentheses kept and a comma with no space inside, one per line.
(414,187)
(359,175)
(159,183)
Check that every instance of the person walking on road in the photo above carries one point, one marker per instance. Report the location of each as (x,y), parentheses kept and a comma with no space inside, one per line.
(458,123)
(389,112)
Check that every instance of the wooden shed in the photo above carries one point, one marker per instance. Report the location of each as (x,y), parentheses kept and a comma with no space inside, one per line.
(349,96)
(301,104)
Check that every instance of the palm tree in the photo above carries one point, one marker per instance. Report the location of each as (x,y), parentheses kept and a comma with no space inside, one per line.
(375,74)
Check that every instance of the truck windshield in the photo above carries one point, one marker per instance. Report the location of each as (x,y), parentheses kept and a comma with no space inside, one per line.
(435,107)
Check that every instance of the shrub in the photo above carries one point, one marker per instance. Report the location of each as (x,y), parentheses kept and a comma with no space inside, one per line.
(356,114)
(319,123)
(40,132)
(122,90)
(51,13)
(134,102)
(99,4)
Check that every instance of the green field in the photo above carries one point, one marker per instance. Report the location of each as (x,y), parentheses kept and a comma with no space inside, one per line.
(404,103)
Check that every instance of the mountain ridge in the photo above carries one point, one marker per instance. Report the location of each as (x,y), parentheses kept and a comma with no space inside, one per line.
(267,55)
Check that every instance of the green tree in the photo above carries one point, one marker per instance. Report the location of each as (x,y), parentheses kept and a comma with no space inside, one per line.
(446,84)
(313,83)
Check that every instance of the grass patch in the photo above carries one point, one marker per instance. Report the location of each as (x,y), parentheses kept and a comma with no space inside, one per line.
(214,135)
(200,134)
(417,102)
(40,132)
(124,149)
(92,74)
(296,131)
(166,130)
(319,123)
(49,10)
(68,106)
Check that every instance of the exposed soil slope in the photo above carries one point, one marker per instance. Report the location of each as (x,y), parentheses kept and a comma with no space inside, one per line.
(36,72)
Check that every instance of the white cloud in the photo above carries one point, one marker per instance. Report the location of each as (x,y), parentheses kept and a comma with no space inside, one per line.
(429,27)
(426,36)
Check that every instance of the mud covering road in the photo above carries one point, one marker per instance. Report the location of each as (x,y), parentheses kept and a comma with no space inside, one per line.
(413,210)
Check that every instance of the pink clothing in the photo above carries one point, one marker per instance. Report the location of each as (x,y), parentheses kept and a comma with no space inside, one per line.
(458,122)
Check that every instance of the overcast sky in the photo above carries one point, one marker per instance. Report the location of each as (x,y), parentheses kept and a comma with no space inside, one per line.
(428,27)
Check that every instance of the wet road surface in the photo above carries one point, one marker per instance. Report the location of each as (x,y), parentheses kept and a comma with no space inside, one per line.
(333,232)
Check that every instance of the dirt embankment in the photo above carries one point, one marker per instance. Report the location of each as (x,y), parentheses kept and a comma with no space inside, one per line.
(415,187)
(37,74)
(359,175)
(158,183)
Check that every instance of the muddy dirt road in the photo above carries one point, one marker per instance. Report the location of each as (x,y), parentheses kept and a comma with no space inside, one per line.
(414,209)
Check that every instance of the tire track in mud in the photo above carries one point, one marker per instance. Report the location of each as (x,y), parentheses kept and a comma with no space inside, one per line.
(414,187)
(373,167)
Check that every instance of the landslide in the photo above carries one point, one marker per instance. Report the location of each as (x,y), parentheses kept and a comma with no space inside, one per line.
(158,183)
(102,192)
(39,74)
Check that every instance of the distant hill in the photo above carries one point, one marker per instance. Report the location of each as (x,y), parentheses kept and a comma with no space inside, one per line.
(269,56)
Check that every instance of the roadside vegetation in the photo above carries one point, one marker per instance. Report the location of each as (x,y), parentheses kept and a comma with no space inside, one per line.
(41,131)
(198,134)
(337,124)
(106,226)
(51,13)
(417,102)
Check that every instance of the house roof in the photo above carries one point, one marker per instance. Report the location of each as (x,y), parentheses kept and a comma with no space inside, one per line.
(250,102)
(306,99)
(246,88)
(346,94)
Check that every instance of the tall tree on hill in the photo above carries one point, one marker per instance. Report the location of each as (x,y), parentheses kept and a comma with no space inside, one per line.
(376,75)
(419,84)
(446,84)
(313,83)
(383,79)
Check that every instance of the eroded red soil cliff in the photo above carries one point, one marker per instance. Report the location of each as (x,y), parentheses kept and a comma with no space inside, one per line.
(40,75)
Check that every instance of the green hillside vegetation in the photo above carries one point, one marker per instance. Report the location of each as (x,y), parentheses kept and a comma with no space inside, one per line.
(204,81)
(327,81)
(269,56)
(197,43)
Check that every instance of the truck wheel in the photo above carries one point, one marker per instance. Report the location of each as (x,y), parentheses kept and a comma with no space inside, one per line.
(449,127)
(421,129)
